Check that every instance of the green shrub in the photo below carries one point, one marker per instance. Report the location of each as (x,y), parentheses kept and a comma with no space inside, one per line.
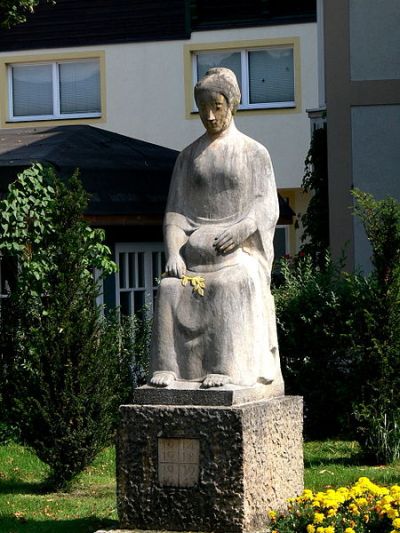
(318,311)
(65,372)
(378,410)
(339,337)
(135,348)
(379,428)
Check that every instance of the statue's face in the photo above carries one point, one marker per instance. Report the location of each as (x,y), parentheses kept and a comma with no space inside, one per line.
(215,113)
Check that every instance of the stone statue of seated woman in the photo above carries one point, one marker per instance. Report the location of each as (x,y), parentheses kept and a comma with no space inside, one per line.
(219,225)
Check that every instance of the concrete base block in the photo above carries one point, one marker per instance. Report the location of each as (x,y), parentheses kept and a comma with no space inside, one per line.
(208,468)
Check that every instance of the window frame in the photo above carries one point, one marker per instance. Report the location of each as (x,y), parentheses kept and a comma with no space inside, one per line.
(18,59)
(245,83)
(190,68)
(57,115)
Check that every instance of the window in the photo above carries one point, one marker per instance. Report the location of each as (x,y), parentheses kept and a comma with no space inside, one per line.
(140,268)
(266,76)
(281,242)
(54,90)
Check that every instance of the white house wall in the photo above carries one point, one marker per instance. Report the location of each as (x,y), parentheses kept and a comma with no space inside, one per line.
(145,95)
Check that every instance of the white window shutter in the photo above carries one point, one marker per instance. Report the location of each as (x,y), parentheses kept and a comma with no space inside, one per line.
(271,76)
(32,90)
(79,87)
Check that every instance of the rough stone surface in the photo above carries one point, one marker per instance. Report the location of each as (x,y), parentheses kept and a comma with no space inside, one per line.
(250,461)
(189,393)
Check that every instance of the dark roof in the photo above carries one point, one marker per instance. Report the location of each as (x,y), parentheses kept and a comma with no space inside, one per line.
(90,22)
(95,22)
(209,14)
(123,175)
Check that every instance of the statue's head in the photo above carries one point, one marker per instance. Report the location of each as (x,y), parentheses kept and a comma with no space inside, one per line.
(220,80)
(217,96)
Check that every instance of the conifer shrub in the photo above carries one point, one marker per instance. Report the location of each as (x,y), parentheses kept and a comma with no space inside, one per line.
(65,372)
(315,221)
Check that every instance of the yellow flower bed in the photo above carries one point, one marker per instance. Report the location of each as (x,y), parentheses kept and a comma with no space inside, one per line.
(364,507)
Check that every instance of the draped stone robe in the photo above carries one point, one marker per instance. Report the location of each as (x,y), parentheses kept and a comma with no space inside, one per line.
(231,330)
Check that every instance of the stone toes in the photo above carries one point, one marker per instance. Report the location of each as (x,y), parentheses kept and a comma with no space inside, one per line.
(162,379)
(215,380)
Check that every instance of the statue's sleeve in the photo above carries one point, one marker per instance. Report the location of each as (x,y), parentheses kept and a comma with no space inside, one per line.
(174,214)
(265,209)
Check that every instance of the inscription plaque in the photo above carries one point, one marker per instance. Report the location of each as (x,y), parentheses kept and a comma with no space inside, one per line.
(178,462)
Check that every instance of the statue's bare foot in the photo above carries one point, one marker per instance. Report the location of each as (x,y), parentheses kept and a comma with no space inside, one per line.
(162,379)
(215,380)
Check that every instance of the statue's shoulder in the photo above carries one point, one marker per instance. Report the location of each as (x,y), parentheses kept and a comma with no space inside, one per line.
(255,148)
(188,151)
(183,157)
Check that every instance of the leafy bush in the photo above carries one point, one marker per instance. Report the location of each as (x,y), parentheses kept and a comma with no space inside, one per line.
(65,372)
(364,507)
(378,410)
(339,337)
(318,311)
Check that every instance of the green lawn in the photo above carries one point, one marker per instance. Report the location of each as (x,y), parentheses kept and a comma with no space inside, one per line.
(339,463)
(26,508)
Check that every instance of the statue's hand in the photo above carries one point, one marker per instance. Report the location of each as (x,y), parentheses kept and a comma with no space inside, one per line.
(231,238)
(175,266)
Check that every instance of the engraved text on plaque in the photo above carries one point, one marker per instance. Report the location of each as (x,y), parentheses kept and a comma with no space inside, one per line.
(178,462)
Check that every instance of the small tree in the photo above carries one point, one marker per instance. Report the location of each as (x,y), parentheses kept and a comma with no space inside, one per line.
(62,365)
(315,221)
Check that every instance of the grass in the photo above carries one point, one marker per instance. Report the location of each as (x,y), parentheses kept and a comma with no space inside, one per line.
(25,507)
(340,463)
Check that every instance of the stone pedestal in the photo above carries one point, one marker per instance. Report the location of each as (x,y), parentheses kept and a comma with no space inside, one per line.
(208,468)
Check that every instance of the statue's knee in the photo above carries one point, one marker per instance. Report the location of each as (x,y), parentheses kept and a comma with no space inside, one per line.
(169,285)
